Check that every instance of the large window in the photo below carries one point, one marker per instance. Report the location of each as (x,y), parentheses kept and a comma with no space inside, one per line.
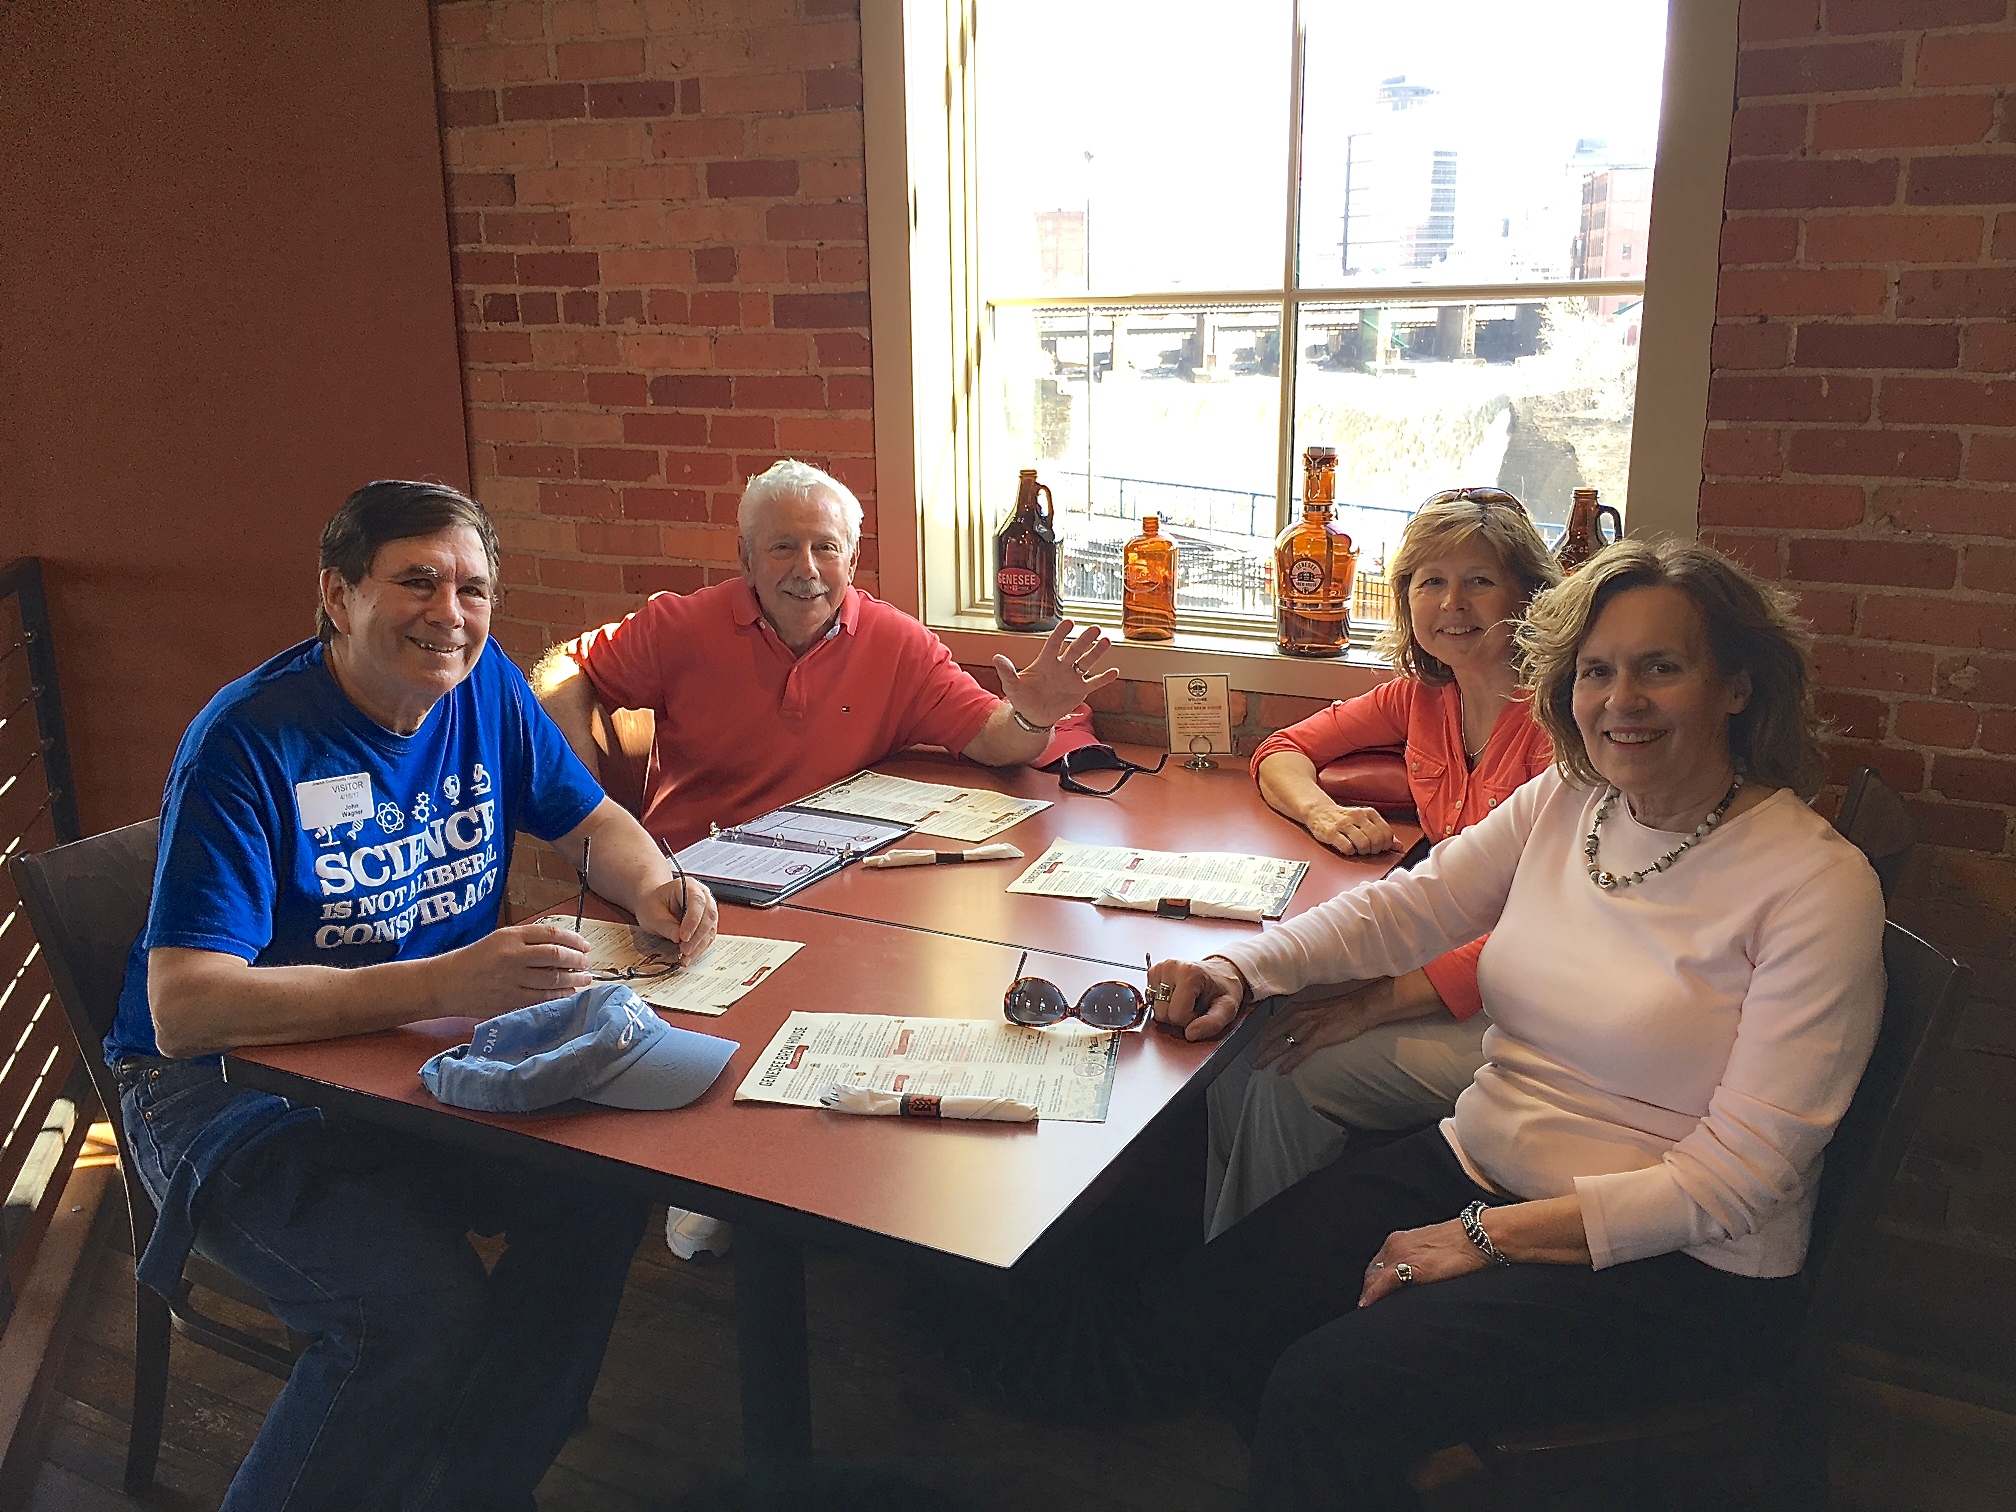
(1188,240)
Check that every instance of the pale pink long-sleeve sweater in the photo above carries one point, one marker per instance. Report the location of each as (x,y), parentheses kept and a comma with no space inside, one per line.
(1677,1053)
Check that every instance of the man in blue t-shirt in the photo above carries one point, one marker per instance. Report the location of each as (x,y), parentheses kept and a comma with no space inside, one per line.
(335,836)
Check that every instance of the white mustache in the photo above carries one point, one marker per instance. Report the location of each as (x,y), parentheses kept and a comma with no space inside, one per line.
(803,590)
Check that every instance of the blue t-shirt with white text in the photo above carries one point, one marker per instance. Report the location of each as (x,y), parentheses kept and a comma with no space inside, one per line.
(297,830)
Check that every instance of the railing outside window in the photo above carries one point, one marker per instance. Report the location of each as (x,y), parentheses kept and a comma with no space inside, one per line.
(45,1100)
(1191,245)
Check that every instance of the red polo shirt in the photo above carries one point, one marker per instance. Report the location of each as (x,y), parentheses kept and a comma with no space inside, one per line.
(742,725)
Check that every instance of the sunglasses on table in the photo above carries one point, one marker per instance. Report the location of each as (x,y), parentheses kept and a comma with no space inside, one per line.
(652,967)
(1099,758)
(1036,1004)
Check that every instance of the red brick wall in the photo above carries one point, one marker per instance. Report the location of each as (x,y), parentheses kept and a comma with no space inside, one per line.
(1862,448)
(1862,438)
(661,272)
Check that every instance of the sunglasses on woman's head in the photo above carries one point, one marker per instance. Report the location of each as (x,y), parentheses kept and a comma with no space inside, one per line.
(1490,496)
(1035,1004)
(1099,758)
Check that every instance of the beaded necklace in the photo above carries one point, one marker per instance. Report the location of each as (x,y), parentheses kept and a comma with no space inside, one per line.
(1610,881)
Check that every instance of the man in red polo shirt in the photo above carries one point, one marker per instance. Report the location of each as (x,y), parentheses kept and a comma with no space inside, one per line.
(789,678)
(786,680)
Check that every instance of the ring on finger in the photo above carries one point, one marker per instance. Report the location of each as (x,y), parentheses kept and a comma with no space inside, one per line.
(1404,1273)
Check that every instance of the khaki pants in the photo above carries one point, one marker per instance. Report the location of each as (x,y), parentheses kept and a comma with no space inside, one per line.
(1268,1131)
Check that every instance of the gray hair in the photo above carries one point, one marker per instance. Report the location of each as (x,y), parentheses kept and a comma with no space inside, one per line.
(791,479)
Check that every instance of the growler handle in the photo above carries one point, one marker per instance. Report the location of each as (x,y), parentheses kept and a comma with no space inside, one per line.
(1616,524)
(1050,504)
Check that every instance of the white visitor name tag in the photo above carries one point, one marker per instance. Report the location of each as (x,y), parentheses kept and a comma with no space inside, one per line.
(330,801)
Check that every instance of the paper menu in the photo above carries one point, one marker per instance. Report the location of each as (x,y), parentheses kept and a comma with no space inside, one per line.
(952,813)
(732,966)
(876,796)
(1064,1075)
(981,815)
(1070,870)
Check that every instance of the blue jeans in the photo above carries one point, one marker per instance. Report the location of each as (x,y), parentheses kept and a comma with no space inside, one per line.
(428,1384)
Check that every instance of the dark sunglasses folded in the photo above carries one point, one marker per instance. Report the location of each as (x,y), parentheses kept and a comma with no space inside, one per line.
(1075,764)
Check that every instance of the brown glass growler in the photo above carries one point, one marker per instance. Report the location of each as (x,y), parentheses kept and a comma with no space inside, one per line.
(1584,536)
(1148,584)
(1025,561)
(1314,566)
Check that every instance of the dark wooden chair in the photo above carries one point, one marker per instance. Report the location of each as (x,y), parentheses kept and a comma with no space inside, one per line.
(87,904)
(1782,1420)
(1875,819)
(623,736)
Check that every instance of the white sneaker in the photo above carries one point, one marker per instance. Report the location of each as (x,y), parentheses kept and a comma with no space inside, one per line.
(693,1234)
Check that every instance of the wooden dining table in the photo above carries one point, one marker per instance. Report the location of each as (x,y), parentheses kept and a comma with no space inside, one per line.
(936,941)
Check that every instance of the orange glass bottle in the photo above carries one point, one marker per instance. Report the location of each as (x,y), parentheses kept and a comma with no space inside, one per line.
(1584,536)
(1025,561)
(1314,566)
(1148,584)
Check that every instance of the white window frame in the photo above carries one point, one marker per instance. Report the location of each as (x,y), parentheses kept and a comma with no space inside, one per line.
(928,318)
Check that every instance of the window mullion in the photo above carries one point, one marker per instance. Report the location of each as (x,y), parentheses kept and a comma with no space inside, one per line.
(1284,460)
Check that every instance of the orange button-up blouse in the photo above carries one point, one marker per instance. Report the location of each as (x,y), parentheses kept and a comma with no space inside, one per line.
(1449,794)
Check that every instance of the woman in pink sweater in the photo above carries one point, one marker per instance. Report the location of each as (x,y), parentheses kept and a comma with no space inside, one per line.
(1684,979)
(1394,1052)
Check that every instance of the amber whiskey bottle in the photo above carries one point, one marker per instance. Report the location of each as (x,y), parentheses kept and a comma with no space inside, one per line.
(1148,584)
(1314,566)
(1584,536)
(1025,561)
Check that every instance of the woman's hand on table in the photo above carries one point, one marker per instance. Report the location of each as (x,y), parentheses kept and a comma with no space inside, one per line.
(658,911)
(1202,998)
(1292,1037)
(1353,831)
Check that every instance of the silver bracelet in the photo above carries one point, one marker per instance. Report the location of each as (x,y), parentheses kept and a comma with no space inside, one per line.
(1473,1226)
(1034,729)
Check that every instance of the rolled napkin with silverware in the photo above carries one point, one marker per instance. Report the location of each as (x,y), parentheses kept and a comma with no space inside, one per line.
(1182,908)
(997,852)
(879,1103)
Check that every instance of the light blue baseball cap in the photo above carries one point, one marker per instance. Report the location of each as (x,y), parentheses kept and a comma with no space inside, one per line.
(603,1044)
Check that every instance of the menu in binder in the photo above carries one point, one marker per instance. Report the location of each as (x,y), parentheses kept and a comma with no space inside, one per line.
(768,858)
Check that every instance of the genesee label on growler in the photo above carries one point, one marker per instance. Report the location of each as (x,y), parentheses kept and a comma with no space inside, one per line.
(1314,566)
(1025,561)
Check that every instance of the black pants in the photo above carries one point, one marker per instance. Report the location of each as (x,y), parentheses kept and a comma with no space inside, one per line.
(1344,1399)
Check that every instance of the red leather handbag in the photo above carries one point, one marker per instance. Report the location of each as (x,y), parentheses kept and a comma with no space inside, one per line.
(1375,778)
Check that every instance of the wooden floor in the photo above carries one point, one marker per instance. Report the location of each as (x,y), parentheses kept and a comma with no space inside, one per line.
(665,1427)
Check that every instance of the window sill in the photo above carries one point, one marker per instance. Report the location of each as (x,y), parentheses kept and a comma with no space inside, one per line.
(1253,667)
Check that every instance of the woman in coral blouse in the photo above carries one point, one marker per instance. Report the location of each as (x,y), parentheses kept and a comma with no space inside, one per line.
(1393,1053)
